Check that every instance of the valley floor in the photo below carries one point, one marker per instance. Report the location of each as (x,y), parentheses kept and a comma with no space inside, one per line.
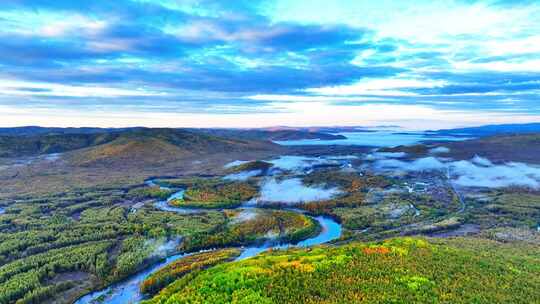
(391,218)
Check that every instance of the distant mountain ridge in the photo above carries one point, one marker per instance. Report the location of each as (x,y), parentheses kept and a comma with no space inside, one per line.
(33,145)
(158,146)
(273,135)
(281,133)
(36,130)
(489,130)
(113,143)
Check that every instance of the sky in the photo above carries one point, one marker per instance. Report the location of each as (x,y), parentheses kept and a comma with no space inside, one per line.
(258,63)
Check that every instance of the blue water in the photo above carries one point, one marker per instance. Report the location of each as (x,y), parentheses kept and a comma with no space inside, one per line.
(375,139)
(127,291)
(330,230)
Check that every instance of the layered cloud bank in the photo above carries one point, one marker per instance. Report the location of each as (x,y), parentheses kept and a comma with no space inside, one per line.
(299,163)
(268,62)
(477,172)
(292,191)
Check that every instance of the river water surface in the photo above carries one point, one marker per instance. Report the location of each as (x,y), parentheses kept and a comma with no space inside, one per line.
(127,291)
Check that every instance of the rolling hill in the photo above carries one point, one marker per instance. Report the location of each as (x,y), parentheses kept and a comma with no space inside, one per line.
(159,146)
(36,130)
(490,130)
(402,270)
(500,148)
(119,158)
(59,142)
(21,146)
(34,141)
(263,134)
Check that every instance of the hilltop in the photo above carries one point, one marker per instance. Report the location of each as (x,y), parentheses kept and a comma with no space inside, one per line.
(158,146)
(37,130)
(32,145)
(402,270)
(490,130)
(498,148)
(272,134)
(33,140)
(114,158)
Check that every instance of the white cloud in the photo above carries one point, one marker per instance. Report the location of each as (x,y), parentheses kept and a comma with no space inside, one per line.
(502,66)
(478,172)
(245,215)
(421,164)
(495,176)
(310,98)
(291,162)
(482,161)
(50,24)
(242,176)
(380,87)
(72,24)
(384,155)
(421,21)
(527,45)
(439,150)
(411,117)
(292,191)
(25,88)
(235,163)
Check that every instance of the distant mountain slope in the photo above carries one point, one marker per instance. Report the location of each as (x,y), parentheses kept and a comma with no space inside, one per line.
(261,134)
(493,129)
(501,148)
(35,130)
(20,146)
(158,146)
(128,142)
(121,158)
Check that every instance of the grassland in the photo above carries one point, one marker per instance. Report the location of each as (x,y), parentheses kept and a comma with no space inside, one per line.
(402,270)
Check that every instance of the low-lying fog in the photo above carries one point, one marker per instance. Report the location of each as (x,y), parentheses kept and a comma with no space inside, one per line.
(293,191)
(295,163)
(162,247)
(375,138)
(242,176)
(245,215)
(477,172)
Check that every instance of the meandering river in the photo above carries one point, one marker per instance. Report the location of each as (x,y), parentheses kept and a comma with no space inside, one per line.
(127,291)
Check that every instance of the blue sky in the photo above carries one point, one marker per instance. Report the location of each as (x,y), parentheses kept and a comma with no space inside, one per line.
(419,64)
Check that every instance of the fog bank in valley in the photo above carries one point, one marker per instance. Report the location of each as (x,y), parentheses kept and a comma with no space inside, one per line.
(293,191)
(477,172)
